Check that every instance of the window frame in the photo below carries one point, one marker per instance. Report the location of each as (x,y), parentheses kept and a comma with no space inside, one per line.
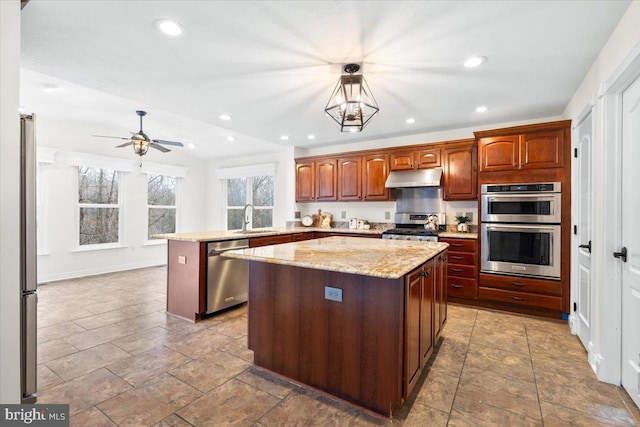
(119,206)
(248,199)
(178,181)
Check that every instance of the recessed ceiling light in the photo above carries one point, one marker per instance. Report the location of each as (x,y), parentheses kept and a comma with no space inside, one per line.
(284,137)
(169,27)
(410,121)
(481,109)
(311,137)
(224,117)
(191,145)
(230,138)
(48,87)
(475,61)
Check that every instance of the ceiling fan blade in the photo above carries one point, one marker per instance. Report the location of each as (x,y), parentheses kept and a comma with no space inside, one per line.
(114,137)
(159,147)
(125,144)
(162,141)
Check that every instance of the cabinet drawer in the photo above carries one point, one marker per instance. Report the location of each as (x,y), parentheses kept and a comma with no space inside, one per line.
(461,270)
(462,258)
(298,237)
(269,240)
(462,287)
(521,284)
(460,245)
(520,298)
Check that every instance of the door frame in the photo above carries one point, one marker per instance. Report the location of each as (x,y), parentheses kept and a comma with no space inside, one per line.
(589,109)
(607,227)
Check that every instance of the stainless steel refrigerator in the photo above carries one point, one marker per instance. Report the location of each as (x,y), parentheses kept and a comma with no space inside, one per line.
(28,260)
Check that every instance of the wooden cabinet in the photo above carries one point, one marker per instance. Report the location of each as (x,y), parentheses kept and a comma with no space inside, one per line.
(532,150)
(254,242)
(523,291)
(414,159)
(317,180)
(186,279)
(460,173)
(462,269)
(326,180)
(426,307)
(305,181)
(350,179)
(374,174)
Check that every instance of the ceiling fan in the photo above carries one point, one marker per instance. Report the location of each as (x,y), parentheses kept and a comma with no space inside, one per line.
(141,142)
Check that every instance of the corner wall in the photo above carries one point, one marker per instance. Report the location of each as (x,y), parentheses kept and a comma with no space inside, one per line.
(9,201)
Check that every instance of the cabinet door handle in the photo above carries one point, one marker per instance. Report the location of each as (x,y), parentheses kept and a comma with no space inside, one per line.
(517,298)
(453,285)
(457,270)
(515,166)
(457,245)
(456,257)
(518,284)
(521,165)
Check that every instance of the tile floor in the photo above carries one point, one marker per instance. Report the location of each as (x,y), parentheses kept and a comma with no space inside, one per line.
(108,349)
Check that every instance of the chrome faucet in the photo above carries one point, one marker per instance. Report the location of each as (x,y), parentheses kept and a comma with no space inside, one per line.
(245,221)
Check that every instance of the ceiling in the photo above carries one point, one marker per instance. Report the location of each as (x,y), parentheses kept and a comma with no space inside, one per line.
(272,65)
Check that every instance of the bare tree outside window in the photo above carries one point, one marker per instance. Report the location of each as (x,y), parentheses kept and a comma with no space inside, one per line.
(255,190)
(99,205)
(161,201)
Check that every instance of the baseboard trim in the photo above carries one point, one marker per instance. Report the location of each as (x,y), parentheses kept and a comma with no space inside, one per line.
(97,271)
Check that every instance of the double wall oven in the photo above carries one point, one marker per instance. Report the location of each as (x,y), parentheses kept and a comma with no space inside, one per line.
(520,229)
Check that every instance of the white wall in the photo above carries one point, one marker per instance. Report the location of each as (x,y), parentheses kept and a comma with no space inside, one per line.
(62,258)
(284,190)
(605,325)
(9,201)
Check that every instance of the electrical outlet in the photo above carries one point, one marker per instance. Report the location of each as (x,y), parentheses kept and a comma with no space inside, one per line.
(343,214)
(296,215)
(333,294)
(182,259)
(470,215)
(387,215)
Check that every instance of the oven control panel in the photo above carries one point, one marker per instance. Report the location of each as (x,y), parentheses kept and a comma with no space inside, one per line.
(546,187)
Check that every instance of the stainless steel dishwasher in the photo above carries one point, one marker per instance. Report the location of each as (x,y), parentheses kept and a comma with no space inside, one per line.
(227,278)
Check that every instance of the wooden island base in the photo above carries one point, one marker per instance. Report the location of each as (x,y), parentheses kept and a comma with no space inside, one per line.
(352,349)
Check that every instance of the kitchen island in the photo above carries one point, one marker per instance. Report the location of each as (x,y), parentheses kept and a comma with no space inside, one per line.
(357,318)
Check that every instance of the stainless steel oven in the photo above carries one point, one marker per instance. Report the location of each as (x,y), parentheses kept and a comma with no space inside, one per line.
(521,249)
(520,229)
(521,203)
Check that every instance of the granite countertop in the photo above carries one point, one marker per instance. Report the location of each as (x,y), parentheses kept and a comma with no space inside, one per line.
(457,235)
(390,259)
(220,235)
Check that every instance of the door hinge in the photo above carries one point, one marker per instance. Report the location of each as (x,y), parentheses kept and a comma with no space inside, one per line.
(575,229)
(575,152)
(575,306)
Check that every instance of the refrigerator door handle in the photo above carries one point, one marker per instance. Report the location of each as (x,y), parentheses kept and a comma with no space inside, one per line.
(29,346)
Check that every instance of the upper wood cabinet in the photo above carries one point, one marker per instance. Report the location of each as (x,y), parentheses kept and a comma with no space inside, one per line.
(305,181)
(531,150)
(414,159)
(350,178)
(326,180)
(460,173)
(374,174)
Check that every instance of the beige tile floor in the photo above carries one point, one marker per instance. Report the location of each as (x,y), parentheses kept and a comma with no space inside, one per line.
(107,348)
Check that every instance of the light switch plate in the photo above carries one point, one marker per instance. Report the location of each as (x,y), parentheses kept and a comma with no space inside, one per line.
(182,259)
(333,294)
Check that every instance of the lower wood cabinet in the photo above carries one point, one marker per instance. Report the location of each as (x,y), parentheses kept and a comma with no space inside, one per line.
(462,277)
(521,291)
(254,242)
(425,313)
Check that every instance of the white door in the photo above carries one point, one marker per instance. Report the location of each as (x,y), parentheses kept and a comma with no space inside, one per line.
(631,241)
(583,298)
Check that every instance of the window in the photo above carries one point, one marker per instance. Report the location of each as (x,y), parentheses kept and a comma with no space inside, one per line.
(161,203)
(99,206)
(254,190)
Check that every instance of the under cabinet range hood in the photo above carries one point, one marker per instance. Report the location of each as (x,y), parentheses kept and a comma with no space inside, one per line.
(414,178)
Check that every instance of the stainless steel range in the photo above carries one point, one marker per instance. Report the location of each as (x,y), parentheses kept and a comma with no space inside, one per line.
(419,226)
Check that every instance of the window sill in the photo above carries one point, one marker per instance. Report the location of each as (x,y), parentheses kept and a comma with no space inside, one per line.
(102,247)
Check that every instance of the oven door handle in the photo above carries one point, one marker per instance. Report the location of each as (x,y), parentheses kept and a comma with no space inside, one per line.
(519,227)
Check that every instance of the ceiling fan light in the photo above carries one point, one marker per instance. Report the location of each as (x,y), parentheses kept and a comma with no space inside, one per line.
(351,104)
